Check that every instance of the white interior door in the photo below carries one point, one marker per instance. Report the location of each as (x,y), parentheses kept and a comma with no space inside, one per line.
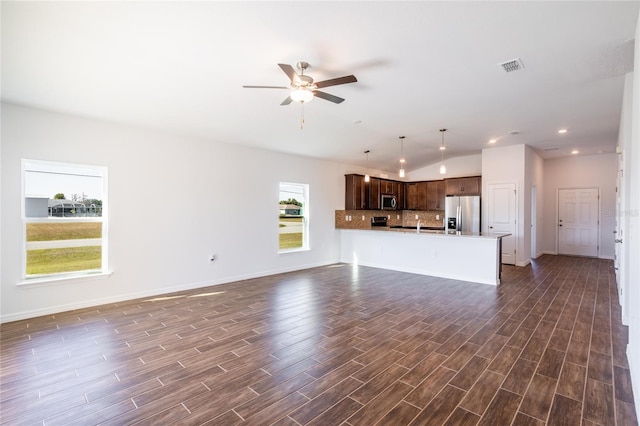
(578,222)
(501,217)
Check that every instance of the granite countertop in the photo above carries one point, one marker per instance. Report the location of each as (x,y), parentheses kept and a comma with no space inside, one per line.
(438,231)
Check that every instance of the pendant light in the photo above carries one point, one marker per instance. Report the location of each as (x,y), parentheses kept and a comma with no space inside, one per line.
(366,175)
(443,168)
(402,160)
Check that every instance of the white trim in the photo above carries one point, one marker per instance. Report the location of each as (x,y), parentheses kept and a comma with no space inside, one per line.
(63,278)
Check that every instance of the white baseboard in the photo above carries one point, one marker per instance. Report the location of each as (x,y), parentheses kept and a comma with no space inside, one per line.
(50,310)
(635,377)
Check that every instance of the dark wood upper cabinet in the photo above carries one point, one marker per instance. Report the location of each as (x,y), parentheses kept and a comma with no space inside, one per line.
(399,192)
(416,196)
(427,195)
(463,186)
(387,186)
(435,195)
(354,193)
(373,194)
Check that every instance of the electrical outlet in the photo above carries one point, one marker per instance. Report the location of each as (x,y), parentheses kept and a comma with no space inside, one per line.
(416,217)
(437,217)
(362,217)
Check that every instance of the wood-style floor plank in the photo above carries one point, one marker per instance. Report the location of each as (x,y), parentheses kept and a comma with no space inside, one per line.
(340,345)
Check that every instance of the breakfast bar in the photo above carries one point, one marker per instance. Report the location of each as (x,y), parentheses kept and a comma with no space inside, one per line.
(461,256)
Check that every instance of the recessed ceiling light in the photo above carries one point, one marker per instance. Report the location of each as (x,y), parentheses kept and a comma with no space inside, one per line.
(575,151)
(493,140)
(562,131)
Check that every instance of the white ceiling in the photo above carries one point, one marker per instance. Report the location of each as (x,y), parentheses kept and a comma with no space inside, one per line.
(180,66)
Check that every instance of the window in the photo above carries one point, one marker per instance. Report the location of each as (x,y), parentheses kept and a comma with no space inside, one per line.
(294,217)
(64,216)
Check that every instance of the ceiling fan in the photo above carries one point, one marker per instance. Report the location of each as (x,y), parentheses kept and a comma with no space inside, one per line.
(303,88)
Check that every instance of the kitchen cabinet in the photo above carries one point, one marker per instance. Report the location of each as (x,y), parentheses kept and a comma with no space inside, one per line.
(399,192)
(387,187)
(463,186)
(416,196)
(372,201)
(354,193)
(435,195)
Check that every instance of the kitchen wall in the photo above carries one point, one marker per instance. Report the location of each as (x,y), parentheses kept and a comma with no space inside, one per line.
(173,201)
(596,171)
(469,165)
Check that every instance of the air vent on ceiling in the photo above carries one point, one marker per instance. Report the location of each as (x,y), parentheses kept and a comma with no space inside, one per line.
(552,149)
(512,65)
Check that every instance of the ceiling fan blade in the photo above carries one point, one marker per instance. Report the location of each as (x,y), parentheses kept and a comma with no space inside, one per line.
(335,81)
(287,101)
(328,97)
(265,87)
(289,71)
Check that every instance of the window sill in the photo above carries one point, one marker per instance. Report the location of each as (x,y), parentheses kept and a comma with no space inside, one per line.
(64,279)
(296,250)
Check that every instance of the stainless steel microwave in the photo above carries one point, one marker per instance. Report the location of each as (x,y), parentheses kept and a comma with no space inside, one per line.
(388,202)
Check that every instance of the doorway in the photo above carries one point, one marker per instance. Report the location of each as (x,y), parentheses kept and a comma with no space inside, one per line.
(501,217)
(578,226)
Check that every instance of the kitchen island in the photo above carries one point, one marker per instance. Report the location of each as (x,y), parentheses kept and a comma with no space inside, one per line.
(454,255)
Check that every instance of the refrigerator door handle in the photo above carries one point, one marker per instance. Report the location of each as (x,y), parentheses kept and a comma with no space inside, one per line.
(459,219)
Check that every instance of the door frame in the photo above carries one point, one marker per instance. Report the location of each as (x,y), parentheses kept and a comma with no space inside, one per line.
(597,187)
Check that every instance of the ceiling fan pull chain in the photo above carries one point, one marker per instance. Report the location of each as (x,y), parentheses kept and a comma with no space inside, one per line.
(301,115)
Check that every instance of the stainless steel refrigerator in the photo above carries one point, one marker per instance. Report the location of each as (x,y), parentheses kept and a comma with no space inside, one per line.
(462,213)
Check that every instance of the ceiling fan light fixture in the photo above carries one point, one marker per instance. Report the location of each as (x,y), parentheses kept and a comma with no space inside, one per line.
(301,95)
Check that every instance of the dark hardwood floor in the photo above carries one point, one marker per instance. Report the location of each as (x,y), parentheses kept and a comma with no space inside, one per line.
(334,345)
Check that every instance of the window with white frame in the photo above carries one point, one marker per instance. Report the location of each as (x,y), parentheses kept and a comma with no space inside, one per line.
(64,216)
(293,217)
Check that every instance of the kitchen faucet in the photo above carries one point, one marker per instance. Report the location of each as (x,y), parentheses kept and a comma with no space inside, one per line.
(418,228)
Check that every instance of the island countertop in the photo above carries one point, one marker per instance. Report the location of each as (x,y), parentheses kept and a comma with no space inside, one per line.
(474,257)
(411,230)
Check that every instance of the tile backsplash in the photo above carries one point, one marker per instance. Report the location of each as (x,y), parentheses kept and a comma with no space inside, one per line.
(361,219)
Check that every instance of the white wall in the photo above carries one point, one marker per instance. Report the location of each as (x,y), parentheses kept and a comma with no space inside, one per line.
(632,237)
(533,177)
(507,165)
(469,165)
(173,201)
(593,171)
